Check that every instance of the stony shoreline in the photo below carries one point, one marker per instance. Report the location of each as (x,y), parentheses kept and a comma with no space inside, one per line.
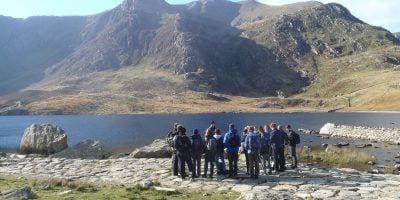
(302,183)
(391,135)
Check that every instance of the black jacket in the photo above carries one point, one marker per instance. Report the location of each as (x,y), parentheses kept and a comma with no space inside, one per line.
(278,138)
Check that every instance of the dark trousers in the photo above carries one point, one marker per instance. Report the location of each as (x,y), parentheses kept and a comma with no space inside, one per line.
(247,162)
(254,165)
(233,163)
(293,155)
(185,158)
(197,164)
(175,164)
(209,158)
(279,158)
(265,161)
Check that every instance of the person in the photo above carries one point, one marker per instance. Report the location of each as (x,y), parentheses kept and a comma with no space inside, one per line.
(253,146)
(232,143)
(294,139)
(183,147)
(265,148)
(209,158)
(196,151)
(244,134)
(210,130)
(169,141)
(219,155)
(278,140)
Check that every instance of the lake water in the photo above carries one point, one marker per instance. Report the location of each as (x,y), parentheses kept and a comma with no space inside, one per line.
(123,133)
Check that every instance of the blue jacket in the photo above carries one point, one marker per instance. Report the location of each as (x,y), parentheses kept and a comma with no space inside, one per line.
(265,139)
(257,149)
(232,149)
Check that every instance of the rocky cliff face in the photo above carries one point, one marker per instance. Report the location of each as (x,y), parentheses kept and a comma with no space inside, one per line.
(397,35)
(247,48)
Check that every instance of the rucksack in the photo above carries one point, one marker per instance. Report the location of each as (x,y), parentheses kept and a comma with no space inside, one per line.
(254,143)
(295,137)
(185,143)
(233,140)
(211,144)
(265,143)
(197,145)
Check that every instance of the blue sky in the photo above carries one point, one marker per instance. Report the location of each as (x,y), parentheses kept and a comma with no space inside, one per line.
(385,13)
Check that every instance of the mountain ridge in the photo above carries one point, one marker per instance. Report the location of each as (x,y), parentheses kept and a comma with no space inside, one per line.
(150,50)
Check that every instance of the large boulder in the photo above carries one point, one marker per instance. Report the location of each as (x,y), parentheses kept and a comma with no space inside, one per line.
(43,139)
(157,149)
(327,129)
(87,149)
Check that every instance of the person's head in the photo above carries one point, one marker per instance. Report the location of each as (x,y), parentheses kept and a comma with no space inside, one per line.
(212,123)
(274,126)
(217,132)
(195,131)
(231,126)
(176,124)
(288,127)
(267,128)
(251,128)
(245,130)
(280,127)
(261,129)
(181,130)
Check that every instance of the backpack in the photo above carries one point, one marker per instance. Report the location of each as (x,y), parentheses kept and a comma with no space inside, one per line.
(233,140)
(295,137)
(185,141)
(211,144)
(265,146)
(197,145)
(220,145)
(254,143)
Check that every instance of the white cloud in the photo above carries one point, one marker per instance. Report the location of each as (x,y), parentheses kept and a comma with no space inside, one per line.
(385,13)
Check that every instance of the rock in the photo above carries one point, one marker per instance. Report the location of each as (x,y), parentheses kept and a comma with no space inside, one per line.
(371,162)
(43,139)
(397,167)
(327,129)
(146,184)
(165,189)
(22,193)
(87,149)
(322,194)
(341,144)
(324,145)
(67,192)
(2,154)
(157,149)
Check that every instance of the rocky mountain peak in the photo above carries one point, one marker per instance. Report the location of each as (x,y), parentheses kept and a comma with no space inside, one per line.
(145,5)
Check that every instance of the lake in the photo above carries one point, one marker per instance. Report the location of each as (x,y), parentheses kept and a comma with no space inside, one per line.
(123,133)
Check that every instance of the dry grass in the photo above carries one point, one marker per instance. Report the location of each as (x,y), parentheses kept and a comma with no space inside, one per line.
(336,157)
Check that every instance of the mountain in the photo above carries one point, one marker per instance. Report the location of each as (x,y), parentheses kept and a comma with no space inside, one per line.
(144,55)
(397,35)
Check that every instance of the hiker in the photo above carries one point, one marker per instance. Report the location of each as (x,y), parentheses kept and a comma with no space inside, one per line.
(219,155)
(294,139)
(183,147)
(278,141)
(265,152)
(244,134)
(196,151)
(169,141)
(252,147)
(232,143)
(210,130)
(211,149)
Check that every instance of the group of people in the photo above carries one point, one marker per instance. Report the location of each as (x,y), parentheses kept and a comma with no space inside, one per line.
(265,145)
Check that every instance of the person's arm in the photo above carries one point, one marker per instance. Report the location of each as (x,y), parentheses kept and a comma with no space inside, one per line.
(246,141)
